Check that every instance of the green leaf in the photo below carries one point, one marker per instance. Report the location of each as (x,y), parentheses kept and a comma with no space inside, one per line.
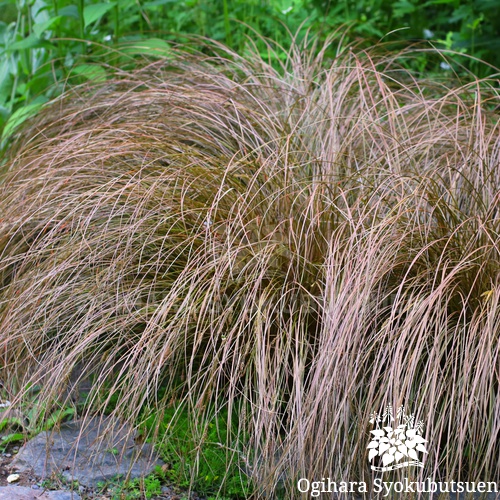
(6,82)
(69,11)
(11,438)
(41,81)
(156,3)
(92,13)
(10,421)
(150,47)
(39,29)
(58,416)
(403,7)
(30,42)
(90,72)
(21,115)
(4,113)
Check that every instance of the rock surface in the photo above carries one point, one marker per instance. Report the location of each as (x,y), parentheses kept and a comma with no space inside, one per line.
(24,493)
(75,452)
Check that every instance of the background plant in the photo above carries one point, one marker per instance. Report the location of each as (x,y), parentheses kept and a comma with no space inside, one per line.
(204,457)
(31,419)
(146,487)
(47,44)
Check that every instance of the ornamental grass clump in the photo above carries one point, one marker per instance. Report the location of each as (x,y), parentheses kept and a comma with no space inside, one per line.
(291,247)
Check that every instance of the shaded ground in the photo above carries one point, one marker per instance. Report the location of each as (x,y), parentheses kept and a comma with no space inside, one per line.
(31,476)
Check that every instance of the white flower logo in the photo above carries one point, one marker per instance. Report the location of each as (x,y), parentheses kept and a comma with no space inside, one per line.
(398,443)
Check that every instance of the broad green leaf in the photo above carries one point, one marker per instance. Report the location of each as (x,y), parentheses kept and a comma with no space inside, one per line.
(39,29)
(150,47)
(30,42)
(69,11)
(21,90)
(39,11)
(10,421)
(21,115)
(39,83)
(6,82)
(402,7)
(58,416)
(4,113)
(11,438)
(156,3)
(90,72)
(92,13)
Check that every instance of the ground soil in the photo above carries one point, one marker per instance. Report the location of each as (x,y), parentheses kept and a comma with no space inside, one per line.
(31,481)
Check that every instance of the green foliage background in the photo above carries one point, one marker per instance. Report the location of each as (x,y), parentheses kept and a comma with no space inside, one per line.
(43,42)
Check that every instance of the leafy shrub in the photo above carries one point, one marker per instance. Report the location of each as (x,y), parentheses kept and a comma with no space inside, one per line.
(31,420)
(468,26)
(294,245)
(47,45)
